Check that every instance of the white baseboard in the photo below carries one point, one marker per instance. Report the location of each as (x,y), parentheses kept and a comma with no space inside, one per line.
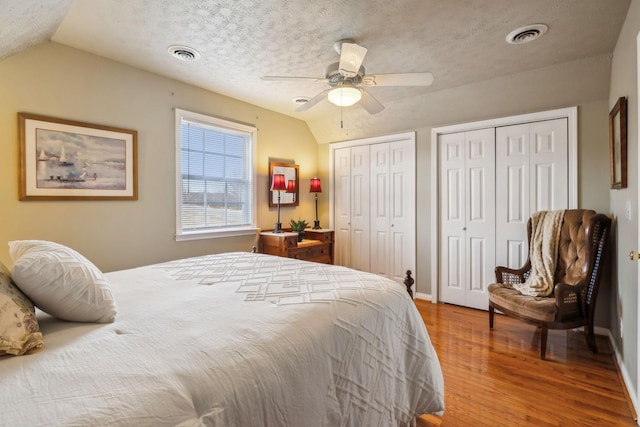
(623,371)
(420,295)
(599,330)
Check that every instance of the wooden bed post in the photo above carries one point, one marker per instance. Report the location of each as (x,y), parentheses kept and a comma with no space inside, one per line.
(408,281)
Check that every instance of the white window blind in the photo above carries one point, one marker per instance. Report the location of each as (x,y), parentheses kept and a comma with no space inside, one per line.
(215,176)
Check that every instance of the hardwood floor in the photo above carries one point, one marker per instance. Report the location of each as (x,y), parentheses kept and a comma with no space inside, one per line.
(496,378)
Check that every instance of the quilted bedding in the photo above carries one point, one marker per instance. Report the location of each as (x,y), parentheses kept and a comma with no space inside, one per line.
(234,339)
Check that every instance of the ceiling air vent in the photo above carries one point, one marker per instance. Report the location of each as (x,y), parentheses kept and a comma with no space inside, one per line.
(184,53)
(526,34)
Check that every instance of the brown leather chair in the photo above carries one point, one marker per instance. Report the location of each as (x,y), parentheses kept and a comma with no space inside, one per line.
(581,253)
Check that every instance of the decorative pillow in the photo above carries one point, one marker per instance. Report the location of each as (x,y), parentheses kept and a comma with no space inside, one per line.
(19,331)
(61,282)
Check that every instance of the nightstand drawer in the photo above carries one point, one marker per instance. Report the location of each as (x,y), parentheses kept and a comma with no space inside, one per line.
(322,236)
(317,253)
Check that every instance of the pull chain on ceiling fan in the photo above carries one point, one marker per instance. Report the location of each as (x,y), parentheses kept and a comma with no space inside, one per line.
(348,80)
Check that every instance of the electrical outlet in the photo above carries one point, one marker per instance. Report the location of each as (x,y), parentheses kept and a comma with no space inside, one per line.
(627,212)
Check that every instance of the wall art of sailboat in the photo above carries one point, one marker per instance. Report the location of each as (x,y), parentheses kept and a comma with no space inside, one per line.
(62,161)
(43,157)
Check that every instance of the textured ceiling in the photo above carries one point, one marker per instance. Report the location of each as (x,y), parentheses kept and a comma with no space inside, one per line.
(459,41)
(26,23)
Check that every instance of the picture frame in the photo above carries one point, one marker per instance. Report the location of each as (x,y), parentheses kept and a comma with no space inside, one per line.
(290,171)
(68,160)
(618,144)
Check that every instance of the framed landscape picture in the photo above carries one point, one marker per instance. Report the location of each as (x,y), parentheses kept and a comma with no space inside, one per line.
(67,160)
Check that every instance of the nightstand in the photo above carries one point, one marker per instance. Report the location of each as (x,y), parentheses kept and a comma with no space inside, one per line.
(316,246)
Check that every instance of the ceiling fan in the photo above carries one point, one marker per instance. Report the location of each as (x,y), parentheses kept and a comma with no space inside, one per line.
(347,80)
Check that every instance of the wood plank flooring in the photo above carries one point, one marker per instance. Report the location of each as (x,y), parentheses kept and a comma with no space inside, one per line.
(496,378)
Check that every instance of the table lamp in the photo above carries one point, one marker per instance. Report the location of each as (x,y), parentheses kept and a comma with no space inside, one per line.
(278,184)
(315,187)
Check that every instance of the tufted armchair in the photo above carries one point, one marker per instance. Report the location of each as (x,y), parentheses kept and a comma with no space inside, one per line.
(581,251)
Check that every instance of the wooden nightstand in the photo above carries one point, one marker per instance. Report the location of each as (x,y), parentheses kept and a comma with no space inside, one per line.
(317,245)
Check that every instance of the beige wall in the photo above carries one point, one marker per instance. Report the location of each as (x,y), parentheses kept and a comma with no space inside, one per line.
(624,313)
(59,81)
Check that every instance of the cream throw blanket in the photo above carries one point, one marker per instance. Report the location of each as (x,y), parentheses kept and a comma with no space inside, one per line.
(543,253)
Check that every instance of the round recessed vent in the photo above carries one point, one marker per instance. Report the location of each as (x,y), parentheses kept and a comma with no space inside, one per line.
(300,100)
(184,53)
(526,34)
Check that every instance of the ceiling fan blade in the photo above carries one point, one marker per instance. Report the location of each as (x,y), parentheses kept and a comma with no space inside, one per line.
(351,57)
(313,101)
(369,103)
(401,79)
(290,78)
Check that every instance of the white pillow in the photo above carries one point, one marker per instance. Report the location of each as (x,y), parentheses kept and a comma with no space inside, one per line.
(61,282)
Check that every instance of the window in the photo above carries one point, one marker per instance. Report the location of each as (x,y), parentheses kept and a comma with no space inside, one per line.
(215,194)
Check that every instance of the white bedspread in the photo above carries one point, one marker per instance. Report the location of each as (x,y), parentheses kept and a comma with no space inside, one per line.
(234,339)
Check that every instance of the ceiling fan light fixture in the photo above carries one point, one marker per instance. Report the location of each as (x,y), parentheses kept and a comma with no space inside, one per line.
(344,96)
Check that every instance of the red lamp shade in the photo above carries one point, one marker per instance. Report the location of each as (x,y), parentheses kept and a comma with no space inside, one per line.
(315,186)
(291,186)
(278,183)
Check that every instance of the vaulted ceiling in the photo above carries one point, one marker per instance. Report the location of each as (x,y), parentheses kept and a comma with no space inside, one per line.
(460,41)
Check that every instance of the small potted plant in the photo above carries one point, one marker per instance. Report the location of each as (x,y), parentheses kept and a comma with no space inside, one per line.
(299,227)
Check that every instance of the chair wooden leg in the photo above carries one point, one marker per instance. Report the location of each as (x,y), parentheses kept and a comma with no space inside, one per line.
(544,329)
(491,313)
(591,337)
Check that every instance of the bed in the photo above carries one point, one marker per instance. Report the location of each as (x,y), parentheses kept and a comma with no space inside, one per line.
(235,339)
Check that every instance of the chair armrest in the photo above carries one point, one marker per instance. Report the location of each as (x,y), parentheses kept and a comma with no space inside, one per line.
(510,276)
(569,301)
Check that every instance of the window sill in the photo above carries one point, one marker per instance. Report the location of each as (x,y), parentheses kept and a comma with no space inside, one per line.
(227,232)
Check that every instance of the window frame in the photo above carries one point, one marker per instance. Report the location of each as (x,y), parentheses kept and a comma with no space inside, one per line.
(209,233)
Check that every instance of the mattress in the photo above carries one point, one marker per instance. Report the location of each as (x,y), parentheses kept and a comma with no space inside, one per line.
(234,339)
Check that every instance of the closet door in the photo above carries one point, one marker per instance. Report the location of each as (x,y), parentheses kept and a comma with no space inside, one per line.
(402,230)
(467,216)
(360,230)
(512,186)
(452,216)
(374,205)
(549,154)
(480,216)
(532,175)
(342,205)
(380,209)
(351,185)
(392,208)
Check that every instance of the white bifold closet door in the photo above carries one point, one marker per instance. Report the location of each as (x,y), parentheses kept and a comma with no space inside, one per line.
(374,207)
(531,175)
(342,206)
(491,181)
(392,208)
(467,214)
(351,183)
(360,231)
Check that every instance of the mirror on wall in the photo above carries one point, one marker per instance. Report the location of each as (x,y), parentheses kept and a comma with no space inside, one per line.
(290,172)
